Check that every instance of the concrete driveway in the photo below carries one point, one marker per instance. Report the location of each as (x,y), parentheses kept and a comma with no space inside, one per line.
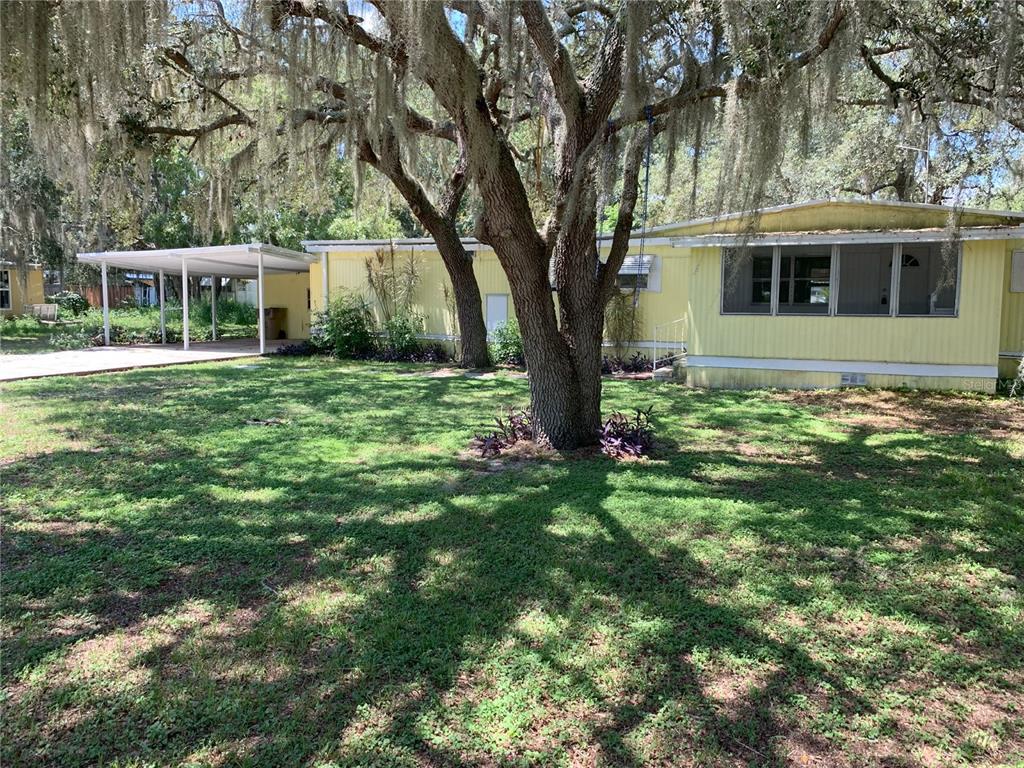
(100,359)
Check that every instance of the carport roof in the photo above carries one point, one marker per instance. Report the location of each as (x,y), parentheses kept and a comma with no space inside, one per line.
(220,260)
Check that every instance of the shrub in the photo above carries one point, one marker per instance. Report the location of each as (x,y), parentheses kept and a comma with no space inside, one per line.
(229,311)
(1017,383)
(433,353)
(517,426)
(401,337)
(637,363)
(73,338)
(69,303)
(507,348)
(300,349)
(345,329)
(623,320)
(622,437)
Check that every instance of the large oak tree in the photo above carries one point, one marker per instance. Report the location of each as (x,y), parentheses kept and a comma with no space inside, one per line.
(542,111)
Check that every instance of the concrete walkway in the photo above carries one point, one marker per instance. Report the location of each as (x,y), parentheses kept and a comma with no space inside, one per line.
(100,359)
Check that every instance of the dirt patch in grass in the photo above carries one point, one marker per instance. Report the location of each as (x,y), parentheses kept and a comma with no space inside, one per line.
(940,413)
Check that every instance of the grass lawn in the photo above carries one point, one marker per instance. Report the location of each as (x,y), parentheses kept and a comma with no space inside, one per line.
(26,335)
(287,562)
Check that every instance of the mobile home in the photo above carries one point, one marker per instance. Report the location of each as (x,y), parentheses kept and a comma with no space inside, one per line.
(825,293)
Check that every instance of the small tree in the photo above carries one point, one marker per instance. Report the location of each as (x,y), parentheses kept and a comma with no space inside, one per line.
(393,280)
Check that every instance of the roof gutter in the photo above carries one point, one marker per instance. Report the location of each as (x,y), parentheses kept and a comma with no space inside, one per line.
(827,238)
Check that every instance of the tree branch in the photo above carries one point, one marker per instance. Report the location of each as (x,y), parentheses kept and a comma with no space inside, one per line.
(557,60)
(196,132)
(624,222)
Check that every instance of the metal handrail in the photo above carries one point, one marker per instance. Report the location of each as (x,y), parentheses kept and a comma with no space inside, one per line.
(682,344)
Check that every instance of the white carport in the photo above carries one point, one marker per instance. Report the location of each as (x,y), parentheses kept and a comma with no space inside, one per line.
(252,261)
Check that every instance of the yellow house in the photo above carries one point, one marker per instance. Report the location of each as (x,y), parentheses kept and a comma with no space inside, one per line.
(19,288)
(825,293)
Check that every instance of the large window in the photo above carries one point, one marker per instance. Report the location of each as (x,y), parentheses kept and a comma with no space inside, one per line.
(865,279)
(928,278)
(844,279)
(747,281)
(5,289)
(805,281)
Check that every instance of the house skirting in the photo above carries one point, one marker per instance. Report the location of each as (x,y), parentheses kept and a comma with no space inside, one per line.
(751,373)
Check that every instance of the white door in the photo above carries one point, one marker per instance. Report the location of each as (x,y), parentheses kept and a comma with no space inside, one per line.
(497,311)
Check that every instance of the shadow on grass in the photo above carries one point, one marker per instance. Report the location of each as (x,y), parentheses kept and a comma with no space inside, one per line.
(336,586)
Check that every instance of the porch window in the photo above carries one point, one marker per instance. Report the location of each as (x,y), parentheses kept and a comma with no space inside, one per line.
(928,279)
(747,281)
(5,289)
(865,279)
(804,281)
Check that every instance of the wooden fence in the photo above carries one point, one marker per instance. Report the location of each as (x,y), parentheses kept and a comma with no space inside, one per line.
(116,294)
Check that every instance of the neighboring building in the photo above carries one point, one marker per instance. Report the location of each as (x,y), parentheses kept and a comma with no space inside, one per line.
(815,302)
(19,288)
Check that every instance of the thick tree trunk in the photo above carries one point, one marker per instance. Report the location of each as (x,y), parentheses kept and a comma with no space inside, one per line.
(439,221)
(472,328)
(563,360)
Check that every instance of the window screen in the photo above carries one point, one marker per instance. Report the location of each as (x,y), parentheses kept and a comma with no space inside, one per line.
(928,279)
(631,281)
(804,281)
(747,280)
(865,279)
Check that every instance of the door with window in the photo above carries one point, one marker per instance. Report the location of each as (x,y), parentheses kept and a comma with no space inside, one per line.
(496,308)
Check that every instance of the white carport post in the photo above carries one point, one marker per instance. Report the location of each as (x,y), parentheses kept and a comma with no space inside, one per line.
(106,304)
(323,280)
(213,307)
(259,301)
(163,312)
(184,302)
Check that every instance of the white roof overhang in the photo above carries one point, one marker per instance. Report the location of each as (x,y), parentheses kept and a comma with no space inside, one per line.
(427,244)
(827,238)
(240,261)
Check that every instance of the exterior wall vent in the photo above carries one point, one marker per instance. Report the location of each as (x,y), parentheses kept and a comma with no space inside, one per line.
(853,380)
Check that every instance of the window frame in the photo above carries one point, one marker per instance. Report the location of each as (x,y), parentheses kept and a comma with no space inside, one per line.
(791,282)
(636,275)
(9,290)
(651,275)
(508,306)
(834,287)
(898,257)
(773,304)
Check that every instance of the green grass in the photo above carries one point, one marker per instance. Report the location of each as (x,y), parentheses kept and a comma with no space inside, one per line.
(289,562)
(26,335)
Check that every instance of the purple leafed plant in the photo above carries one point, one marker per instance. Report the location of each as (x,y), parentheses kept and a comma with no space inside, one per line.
(517,426)
(637,363)
(623,437)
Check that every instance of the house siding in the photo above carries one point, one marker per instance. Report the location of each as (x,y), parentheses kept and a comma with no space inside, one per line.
(30,293)
(1011,329)
(290,292)
(689,291)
